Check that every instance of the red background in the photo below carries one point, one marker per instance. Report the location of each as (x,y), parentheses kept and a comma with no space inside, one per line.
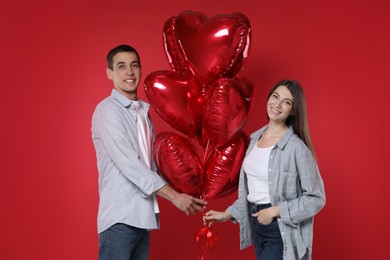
(53,75)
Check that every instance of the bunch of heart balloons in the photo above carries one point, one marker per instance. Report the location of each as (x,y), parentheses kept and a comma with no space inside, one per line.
(204,100)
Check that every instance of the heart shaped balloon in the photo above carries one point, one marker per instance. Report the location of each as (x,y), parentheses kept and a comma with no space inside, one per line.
(177,99)
(226,109)
(178,162)
(208,47)
(222,168)
(203,99)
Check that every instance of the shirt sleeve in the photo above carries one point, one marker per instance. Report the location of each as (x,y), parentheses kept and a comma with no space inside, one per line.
(120,146)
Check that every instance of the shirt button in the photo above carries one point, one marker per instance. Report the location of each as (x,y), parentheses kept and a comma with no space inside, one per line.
(269,169)
(270,182)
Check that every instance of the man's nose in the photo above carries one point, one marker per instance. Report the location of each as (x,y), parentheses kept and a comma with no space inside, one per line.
(129,70)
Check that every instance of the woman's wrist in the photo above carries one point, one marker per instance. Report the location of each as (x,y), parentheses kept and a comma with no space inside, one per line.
(275,211)
(227,216)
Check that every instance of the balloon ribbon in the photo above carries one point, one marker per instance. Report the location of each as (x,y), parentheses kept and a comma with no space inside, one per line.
(207,237)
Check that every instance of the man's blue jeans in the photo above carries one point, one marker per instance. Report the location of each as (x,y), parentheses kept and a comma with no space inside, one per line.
(124,242)
(267,240)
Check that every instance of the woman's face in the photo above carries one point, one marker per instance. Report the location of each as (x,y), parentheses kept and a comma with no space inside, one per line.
(280,104)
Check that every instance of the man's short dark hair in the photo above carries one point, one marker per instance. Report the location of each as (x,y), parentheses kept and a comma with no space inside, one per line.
(118,49)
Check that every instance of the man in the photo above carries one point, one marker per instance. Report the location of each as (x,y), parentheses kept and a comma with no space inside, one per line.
(128,182)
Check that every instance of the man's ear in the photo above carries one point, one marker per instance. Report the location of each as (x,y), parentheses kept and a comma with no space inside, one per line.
(109,73)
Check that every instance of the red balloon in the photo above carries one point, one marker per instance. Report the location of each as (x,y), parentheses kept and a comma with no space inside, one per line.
(177,99)
(226,109)
(207,47)
(178,162)
(222,168)
(203,99)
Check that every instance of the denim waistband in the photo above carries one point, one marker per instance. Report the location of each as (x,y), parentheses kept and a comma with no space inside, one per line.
(258,207)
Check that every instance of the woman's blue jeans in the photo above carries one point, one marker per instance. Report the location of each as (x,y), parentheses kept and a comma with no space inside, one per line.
(267,240)
(124,242)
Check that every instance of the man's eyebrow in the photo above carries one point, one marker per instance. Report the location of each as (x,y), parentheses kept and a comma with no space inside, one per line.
(122,62)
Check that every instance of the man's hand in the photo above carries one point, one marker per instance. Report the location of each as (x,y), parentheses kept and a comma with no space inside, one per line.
(188,203)
(182,201)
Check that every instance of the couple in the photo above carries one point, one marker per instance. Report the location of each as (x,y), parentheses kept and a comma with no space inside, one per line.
(280,187)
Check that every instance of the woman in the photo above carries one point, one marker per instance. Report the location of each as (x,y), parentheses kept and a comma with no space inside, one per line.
(280,187)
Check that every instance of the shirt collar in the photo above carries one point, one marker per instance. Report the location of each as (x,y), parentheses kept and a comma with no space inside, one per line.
(121,98)
(127,102)
(283,140)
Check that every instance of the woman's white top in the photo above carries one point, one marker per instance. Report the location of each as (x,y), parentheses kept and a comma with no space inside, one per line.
(256,168)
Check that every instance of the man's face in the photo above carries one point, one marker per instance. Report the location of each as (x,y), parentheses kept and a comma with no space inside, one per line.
(126,73)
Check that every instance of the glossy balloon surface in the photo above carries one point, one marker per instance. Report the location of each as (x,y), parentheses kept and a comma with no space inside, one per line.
(226,109)
(178,162)
(203,98)
(223,168)
(177,99)
(209,47)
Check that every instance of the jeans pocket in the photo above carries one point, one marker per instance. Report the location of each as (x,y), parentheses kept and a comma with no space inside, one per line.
(271,227)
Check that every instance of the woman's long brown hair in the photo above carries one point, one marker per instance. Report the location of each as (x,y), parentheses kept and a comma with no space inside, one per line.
(298,120)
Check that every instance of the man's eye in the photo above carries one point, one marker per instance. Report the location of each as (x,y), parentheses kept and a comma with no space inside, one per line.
(135,65)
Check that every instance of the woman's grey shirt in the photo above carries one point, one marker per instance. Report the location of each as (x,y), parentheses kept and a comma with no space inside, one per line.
(295,185)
